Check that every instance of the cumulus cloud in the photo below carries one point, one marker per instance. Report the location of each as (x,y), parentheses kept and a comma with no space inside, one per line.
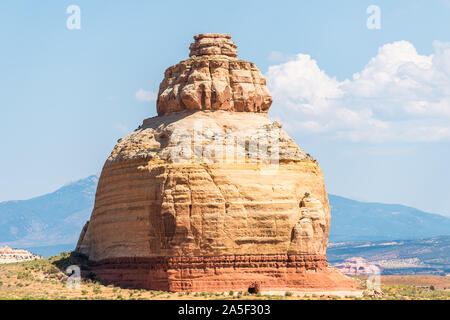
(145,96)
(400,95)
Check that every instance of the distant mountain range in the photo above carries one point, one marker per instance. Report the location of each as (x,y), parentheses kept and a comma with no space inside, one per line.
(51,223)
(354,221)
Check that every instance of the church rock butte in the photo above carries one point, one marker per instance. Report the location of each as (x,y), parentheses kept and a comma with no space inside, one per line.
(211,195)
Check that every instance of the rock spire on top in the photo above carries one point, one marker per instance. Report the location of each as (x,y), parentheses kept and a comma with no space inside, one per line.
(206,44)
(213,79)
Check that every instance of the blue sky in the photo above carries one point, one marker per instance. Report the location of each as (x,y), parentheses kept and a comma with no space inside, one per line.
(67,95)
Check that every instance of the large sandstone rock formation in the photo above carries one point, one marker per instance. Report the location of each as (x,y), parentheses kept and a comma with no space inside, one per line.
(211,195)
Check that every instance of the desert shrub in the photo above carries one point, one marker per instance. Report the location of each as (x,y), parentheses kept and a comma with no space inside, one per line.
(51,270)
(97,290)
(23,275)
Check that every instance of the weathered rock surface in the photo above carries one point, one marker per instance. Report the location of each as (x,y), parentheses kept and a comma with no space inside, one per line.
(212,205)
(357,266)
(213,79)
(216,44)
(204,200)
(8,255)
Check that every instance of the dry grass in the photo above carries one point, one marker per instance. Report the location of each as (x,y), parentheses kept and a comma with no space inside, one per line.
(438,282)
(44,279)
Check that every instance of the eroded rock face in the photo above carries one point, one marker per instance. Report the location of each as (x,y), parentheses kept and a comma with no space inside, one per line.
(205,200)
(213,79)
(208,44)
(357,266)
(210,205)
(8,255)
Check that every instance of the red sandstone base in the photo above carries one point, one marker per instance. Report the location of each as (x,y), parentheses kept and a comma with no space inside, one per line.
(271,273)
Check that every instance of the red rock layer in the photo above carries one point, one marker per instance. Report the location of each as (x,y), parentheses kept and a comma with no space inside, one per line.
(239,273)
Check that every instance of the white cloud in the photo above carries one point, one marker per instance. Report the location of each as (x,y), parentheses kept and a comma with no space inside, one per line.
(399,95)
(145,96)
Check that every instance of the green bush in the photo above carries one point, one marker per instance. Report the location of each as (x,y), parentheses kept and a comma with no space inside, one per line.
(97,290)
(51,270)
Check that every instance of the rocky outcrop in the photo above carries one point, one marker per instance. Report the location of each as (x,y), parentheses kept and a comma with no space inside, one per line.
(357,266)
(213,79)
(8,255)
(189,198)
(267,273)
(203,200)
(213,44)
